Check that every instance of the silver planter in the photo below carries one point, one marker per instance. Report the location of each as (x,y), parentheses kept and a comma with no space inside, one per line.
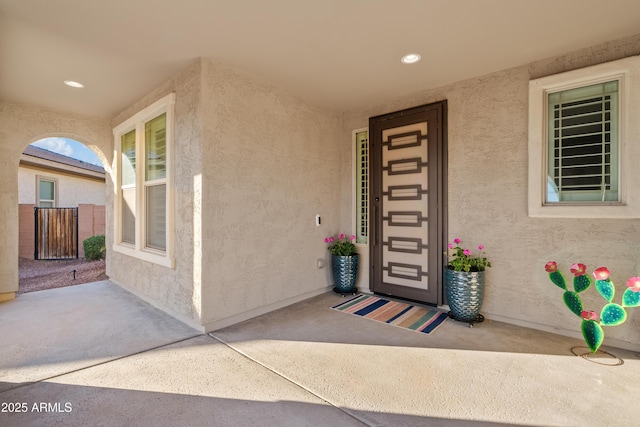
(465,292)
(345,272)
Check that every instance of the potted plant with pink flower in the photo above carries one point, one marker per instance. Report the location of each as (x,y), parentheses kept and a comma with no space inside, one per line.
(464,282)
(344,262)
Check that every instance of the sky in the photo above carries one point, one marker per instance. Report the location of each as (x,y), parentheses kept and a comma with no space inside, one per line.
(70,148)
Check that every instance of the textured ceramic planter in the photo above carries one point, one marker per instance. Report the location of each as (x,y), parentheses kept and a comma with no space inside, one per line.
(345,272)
(465,292)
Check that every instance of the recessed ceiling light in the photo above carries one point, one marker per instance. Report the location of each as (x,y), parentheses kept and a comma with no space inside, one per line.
(73,84)
(411,58)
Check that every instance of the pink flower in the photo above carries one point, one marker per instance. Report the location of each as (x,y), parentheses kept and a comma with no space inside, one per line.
(466,252)
(578,269)
(326,240)
(601,273)
(450,246)
(551,266)
(634,284)
(589,315)
(353,237)
(341,236)
(331,239)
(456,241)
(480,247)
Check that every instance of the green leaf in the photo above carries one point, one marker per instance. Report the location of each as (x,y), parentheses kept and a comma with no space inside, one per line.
(581,283)
(558,279)
(606,289)
(612,315)
(593,334)
(573,302)
(630,298)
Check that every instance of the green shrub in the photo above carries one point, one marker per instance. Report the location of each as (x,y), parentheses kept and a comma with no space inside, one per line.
(94,247)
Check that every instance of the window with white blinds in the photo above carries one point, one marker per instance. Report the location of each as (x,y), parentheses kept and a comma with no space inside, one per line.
(128,187)
(144,201)
(362,185)
(583,144)
(155,147)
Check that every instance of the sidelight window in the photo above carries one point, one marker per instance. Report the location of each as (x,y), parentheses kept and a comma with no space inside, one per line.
(361,154)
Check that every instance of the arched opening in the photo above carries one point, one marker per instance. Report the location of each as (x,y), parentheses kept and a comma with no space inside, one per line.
(62,202)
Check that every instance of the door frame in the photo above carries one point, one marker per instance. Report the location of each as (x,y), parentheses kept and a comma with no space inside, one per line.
(441,163)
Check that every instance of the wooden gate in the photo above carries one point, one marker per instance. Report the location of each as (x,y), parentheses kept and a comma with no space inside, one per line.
(56,233)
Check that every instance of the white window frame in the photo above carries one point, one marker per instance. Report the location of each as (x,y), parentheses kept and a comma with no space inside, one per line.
(627,72)
(356,202)
(165,258)
(40,178)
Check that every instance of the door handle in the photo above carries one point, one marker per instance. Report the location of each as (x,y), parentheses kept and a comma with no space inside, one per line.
(376,229)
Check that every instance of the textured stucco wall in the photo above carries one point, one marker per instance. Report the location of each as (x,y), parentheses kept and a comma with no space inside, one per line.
(253,167)
(21,125)
(272,164)
(488,126)
(176,291)
(72,190)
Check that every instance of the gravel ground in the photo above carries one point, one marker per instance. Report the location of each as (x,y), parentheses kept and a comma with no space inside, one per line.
(38,275)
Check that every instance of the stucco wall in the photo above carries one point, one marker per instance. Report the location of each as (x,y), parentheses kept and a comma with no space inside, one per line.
(272,164)
(72,190)
(176,291)
(253,167)
(487,186)
(21,125)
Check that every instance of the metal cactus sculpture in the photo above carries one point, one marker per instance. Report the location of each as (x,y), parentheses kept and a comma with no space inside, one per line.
(612,314)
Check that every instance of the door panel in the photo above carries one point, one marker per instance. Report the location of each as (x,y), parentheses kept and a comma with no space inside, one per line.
(406,246)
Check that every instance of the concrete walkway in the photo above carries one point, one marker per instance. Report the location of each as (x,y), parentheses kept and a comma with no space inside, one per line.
(96,355)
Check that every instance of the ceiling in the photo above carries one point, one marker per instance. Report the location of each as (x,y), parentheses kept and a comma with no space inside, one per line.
(335,54)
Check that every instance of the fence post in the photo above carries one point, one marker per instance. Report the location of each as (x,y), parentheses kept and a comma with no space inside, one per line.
(35,232)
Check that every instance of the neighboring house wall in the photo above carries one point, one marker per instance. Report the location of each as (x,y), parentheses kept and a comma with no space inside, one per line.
(76,186)
(72,190)
(487,186)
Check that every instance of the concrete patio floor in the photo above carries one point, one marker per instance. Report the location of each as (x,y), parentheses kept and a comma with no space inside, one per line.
(94,354)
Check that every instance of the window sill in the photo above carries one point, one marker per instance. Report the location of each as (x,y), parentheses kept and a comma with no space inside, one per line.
(584,212)
(152,257)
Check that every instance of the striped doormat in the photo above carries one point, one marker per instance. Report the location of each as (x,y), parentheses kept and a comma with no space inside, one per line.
(416,318)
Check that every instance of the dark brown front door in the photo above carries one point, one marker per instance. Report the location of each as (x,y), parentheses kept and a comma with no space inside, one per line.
(408,188)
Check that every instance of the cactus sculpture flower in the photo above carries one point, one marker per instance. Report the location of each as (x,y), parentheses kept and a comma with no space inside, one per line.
(612,314)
